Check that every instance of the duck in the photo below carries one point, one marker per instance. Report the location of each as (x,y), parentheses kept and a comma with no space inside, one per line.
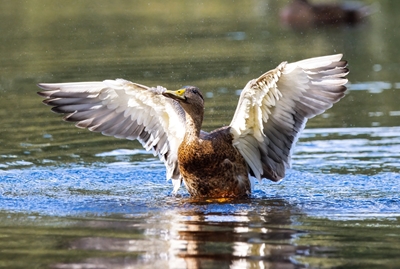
(272,111)
(304,14)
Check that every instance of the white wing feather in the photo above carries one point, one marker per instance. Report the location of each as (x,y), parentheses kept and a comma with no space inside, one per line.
(124,109)
(273,109)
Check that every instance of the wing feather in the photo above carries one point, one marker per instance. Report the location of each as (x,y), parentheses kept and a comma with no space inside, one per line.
(123,109)
(273,109)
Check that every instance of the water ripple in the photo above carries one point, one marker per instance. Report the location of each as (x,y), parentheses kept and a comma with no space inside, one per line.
(345,172)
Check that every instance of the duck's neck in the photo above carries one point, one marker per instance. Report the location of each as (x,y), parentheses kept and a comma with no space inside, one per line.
(193,125)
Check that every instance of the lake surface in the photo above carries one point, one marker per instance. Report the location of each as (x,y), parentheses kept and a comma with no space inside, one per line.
(70,198)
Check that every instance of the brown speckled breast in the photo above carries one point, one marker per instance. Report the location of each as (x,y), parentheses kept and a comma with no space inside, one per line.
(212,167)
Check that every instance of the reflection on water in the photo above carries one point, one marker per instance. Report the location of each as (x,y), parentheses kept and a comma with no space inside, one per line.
(200,236)
(194,238)
(253,233)
(239,239)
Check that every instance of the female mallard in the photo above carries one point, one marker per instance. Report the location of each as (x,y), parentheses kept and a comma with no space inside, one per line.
(272,111)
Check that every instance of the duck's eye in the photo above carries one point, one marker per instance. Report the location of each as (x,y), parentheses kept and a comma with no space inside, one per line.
(198,93)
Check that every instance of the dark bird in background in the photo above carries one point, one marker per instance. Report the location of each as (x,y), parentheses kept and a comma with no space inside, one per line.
(271,113)
(304,14)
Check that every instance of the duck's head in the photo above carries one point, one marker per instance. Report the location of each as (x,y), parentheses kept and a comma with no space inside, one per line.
(187,96)
(192,101)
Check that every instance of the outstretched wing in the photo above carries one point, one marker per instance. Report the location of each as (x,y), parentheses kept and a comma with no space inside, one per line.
(123,109)
(273,109)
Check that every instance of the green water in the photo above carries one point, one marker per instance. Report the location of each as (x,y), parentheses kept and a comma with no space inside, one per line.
(73,199)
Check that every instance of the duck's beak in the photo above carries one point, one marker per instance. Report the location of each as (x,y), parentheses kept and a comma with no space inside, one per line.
(177,95)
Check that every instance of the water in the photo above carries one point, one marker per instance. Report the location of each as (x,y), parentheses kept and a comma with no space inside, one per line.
(73,199)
